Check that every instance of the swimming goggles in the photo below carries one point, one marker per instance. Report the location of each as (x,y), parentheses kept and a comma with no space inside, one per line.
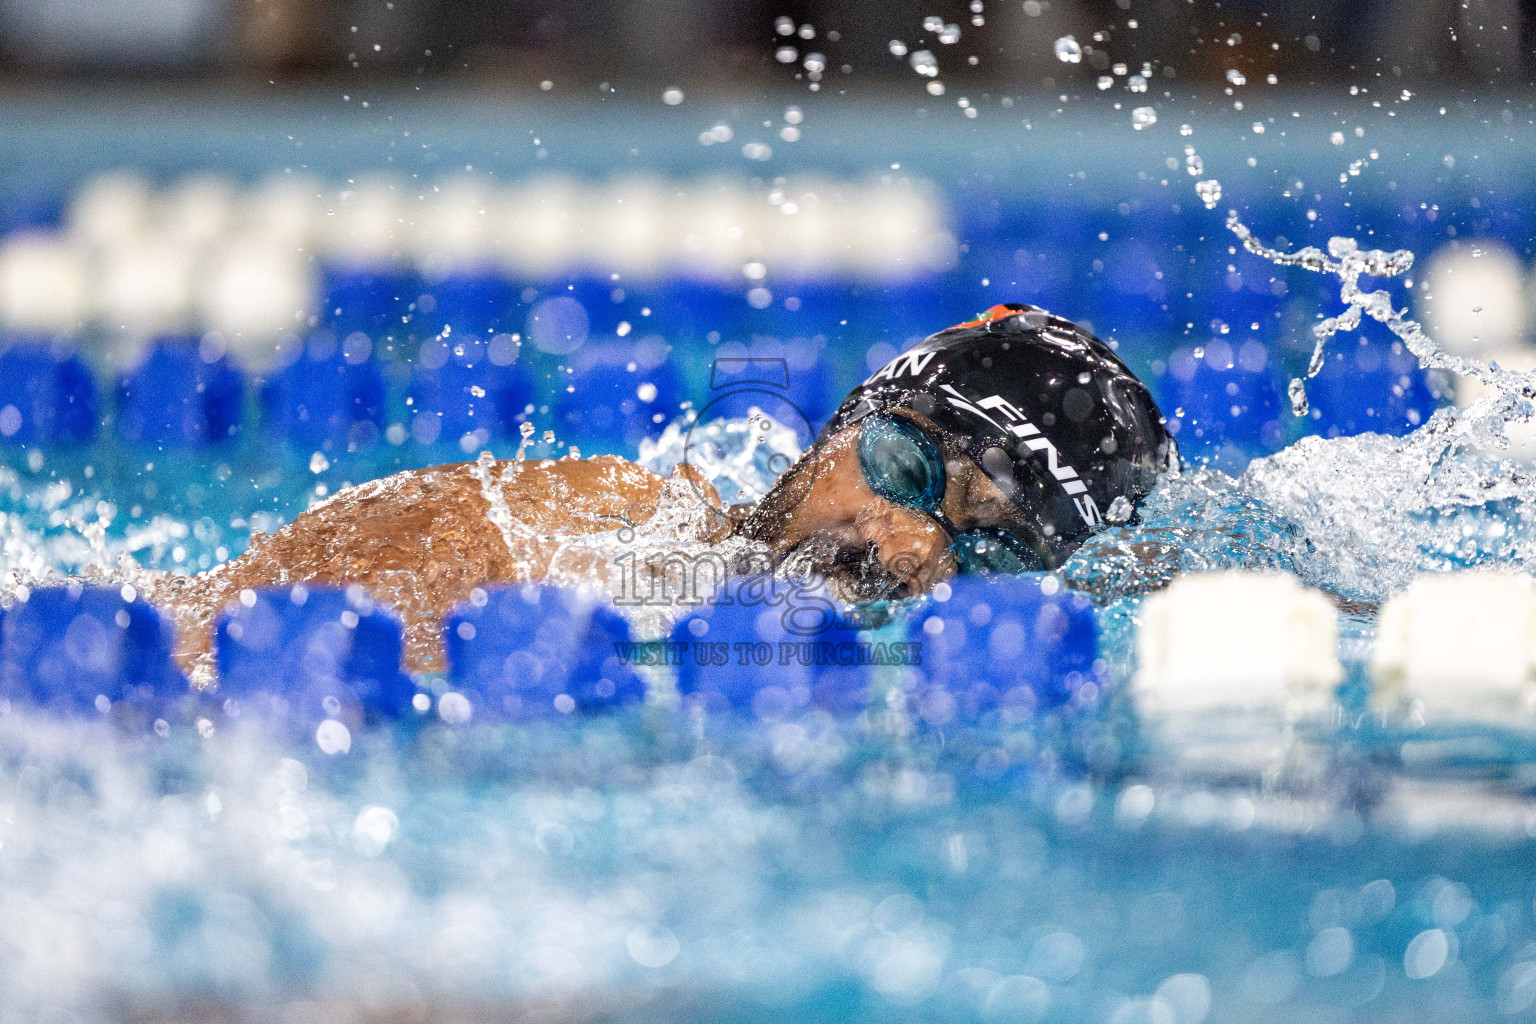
(905,466)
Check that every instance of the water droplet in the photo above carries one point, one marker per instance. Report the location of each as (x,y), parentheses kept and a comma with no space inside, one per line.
(652,947)
(1105,82)
(454,708)
(898,48)
(1209,192)
(924,62)
(815,62)
(1067,50)
(672,97)
(1143,117)
(1298,393)
(786,55)
(373,829)
(333,738)
(318,463)
(1236,77)
(1137,83)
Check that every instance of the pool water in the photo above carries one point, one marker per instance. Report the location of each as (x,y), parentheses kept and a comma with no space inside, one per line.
(631,869)
(658,864)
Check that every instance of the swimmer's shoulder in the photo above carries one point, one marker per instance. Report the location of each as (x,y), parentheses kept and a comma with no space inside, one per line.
(610,471)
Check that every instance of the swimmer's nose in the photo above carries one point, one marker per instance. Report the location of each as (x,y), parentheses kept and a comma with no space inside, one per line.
(910,546)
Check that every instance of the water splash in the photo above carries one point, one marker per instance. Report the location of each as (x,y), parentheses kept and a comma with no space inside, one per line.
(1358,516)
(654,570)
(741,457)
(1509,393)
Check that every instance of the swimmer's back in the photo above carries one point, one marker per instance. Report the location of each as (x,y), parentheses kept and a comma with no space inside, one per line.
(422,540)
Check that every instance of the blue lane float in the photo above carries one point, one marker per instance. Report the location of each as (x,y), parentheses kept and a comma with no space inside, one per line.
(31,207)
(898,314)
(1030,272)
(999,650)
(79,649)
(691,309)
(618,393)
(312,654)
(772,649)
(604,302)
(468,385)
(1138,288)
(364,299)
(468,304)
(47,395)
(330,395)
(536,651)
(1371,385)
(1223,393)
(182,395)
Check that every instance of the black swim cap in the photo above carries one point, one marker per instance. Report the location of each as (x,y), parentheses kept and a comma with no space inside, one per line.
(1044,408)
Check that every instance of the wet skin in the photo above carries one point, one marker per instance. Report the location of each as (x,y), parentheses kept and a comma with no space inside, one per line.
(421,541)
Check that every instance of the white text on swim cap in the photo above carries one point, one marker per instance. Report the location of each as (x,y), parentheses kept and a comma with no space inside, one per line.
(1020,427)
(908,364)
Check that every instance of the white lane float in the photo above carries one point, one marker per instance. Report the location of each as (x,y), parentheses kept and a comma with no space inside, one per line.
(1228,642)
(1458,647)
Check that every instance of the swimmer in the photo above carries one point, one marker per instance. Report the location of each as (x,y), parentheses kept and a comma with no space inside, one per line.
(998,445)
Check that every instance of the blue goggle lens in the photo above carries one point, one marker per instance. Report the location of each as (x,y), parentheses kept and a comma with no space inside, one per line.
(985,550)
(901,463)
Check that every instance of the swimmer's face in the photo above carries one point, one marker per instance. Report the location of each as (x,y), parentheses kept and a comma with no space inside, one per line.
(823,517)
